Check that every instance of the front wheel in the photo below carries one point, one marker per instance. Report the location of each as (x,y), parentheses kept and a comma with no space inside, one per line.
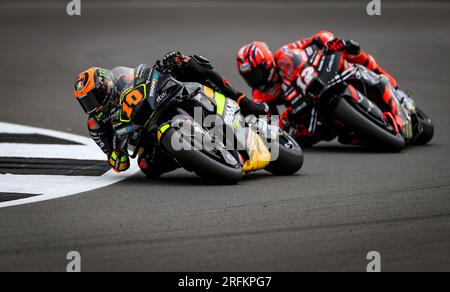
(199,161)
(424,128)
(290,156)
(377,137)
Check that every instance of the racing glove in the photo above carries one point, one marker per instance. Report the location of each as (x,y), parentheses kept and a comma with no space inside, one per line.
(251,107)
(349,46)
(173,60)
(119,161)
(318,42)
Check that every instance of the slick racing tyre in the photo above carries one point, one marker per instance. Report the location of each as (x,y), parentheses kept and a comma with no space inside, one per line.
(425,127)
(202,163)
(378,137)
(290,156)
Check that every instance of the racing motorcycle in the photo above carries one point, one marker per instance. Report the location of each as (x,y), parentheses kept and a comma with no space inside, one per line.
(222,149)
(352,98)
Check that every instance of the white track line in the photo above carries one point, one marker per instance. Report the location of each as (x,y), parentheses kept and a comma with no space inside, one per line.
(80,152)
(49,186)
(8,128)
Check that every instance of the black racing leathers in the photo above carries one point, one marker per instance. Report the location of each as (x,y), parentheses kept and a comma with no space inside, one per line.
(199,69)
(101,131)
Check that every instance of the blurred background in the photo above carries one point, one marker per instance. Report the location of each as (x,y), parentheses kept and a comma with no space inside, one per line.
(43,49)
(344,203)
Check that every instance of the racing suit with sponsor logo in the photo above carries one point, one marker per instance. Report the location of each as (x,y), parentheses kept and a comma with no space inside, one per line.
(297,85)
(199,69)
(155,162)
(152,160)
(101,123)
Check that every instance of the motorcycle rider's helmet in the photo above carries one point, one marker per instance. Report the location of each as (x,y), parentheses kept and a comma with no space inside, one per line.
(93,88)
(256,64)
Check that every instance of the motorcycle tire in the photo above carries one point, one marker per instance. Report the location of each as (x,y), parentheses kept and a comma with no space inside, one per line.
(378,138)
(290,157)
(200,163)
(427,128)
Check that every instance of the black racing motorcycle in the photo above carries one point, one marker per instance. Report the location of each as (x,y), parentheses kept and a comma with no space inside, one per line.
(353,99)
(202,130)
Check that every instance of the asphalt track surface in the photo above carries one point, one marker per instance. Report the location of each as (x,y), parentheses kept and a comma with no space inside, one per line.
(343,204)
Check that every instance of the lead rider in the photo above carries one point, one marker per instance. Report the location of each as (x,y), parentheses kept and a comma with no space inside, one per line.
(98,91)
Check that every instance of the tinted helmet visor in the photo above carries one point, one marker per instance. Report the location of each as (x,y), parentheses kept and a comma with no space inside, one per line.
(257,77)
(92,101)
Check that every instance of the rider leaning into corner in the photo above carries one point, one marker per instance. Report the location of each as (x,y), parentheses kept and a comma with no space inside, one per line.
(98,91)
(280,79)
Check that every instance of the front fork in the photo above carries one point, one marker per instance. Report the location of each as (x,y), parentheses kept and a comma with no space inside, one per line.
(405,108)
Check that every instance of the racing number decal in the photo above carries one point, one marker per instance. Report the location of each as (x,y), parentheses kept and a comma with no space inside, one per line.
(307,76)
(131,100)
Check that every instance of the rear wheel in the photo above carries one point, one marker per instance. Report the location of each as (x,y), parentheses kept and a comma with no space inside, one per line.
(290,156)
(199,161)
(424,127)
(378,138)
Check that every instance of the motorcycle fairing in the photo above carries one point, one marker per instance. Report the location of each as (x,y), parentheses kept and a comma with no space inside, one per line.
(259,154)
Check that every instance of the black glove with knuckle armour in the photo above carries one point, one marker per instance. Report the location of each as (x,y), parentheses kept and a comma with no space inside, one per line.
(351,47)
(173,60)
(251,107)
